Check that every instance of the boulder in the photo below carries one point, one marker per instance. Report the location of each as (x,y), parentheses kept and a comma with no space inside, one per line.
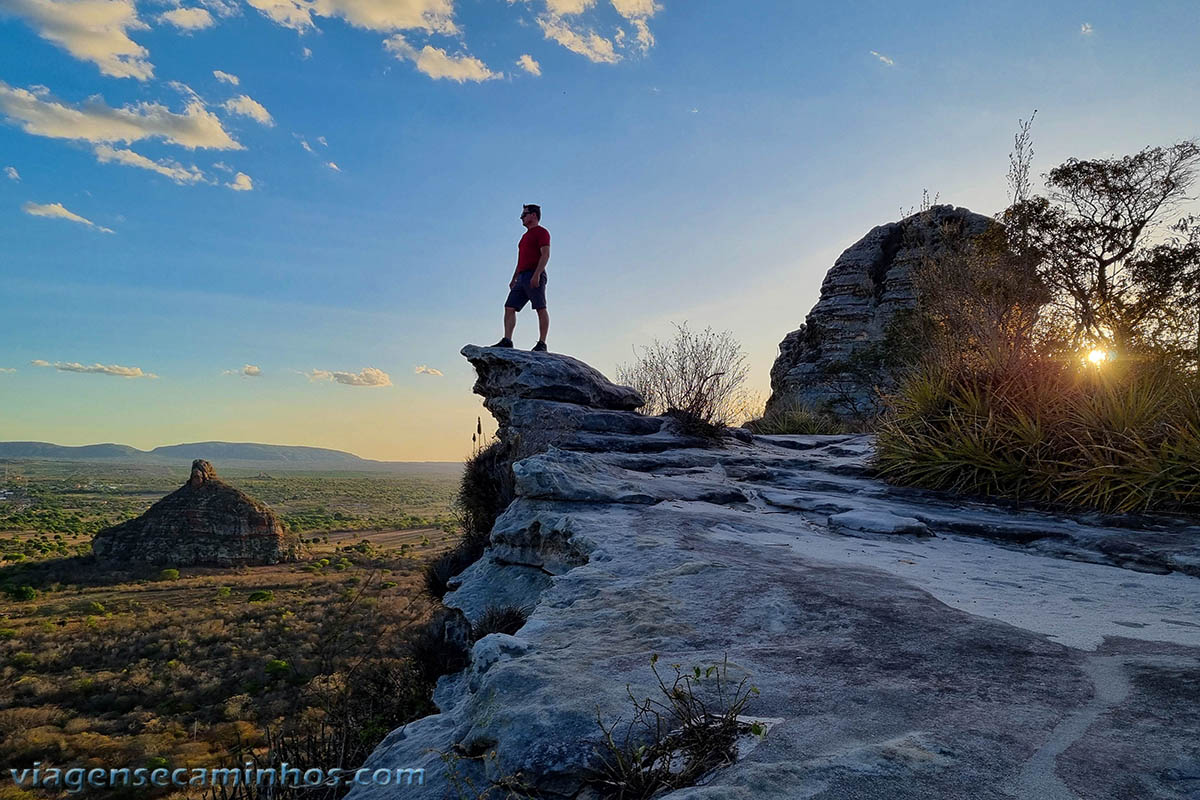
(507,376)
(205,521)
(838,360)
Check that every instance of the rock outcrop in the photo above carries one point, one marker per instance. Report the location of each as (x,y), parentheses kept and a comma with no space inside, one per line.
(205,521)
(904,644)
(838,360)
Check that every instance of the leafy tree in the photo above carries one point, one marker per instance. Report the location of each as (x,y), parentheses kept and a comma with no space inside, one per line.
(1121,264)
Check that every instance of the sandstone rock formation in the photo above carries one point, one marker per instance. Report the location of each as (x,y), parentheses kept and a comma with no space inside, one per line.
(832,361)
(905,645)
(205,521)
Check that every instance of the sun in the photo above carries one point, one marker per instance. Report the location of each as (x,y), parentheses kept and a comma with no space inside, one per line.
(1097,356)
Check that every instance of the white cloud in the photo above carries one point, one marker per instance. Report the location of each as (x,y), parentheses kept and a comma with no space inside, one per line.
(96,122)
(188,19)
(424,370)
(1086,29)
(633,9)
(561,7)
(333,166)
(324,143)
(434,16)
(241,183)
(249,107)
(91,30)
(57,211)
(249,370)
(12,174)
(97,369)
(7,370)
(171,169)
(221,165)
(369,376)
(645,38)
(883,59)
(588,44)
(225,77)
(436,63)
(527,63)
(304,143)
(637,12)
(592,45)
(305,53)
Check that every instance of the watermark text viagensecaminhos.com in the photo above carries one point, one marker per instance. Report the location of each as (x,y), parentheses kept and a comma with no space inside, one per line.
(76,779)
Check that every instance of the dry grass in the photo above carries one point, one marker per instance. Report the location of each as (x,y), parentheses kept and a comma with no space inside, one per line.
(116,668)
(1125,437)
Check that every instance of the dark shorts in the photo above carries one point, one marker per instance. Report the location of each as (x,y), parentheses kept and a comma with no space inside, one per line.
(523,293)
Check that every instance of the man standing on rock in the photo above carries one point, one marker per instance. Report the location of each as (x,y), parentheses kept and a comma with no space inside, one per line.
(528,284)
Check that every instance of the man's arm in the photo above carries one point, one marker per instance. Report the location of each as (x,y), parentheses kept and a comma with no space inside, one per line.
(536,279)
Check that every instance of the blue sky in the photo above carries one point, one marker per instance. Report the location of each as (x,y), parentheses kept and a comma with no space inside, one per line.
(293,213)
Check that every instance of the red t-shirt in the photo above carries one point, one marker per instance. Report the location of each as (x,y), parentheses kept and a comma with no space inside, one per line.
(529,249)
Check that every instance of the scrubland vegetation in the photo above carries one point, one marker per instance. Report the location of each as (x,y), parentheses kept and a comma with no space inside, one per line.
(1063,348)
(205,666)
(65,503)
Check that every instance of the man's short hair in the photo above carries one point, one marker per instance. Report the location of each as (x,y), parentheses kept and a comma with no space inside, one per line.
(534,208)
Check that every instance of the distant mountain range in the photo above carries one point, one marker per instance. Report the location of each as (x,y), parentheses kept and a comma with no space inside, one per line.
(230,454)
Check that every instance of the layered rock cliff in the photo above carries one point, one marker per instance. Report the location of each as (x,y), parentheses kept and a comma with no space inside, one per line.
(904,645)
(205,521)
(839,359)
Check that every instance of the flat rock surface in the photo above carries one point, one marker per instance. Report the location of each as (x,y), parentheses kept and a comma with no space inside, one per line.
(990,653)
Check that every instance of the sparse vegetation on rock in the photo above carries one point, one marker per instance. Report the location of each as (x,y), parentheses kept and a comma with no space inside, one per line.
(1073,380)
(674,739)
(698,373)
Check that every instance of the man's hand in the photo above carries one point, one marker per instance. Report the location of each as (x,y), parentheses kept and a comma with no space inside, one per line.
(535,281)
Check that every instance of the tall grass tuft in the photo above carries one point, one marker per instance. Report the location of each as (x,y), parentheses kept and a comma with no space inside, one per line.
(1121,437)
(796,418)
(486,489)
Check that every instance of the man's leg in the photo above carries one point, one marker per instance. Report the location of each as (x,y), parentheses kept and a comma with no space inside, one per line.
(510,321)
(543,324)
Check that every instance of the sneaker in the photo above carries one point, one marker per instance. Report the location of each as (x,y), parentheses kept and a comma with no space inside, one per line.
(505,342)
(540,347)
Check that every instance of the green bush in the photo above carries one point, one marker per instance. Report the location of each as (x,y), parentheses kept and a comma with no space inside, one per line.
(23,593)
(1121,437)
(224,591)
(261,596)
(22,660)
(169,575)
(7,633)
(277,668)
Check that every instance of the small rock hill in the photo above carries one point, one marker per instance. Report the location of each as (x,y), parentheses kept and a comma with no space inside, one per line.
(837,359)
(205,521)
(906,645)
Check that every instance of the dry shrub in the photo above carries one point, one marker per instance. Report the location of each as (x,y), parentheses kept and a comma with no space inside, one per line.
(672,740)
(699,374)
